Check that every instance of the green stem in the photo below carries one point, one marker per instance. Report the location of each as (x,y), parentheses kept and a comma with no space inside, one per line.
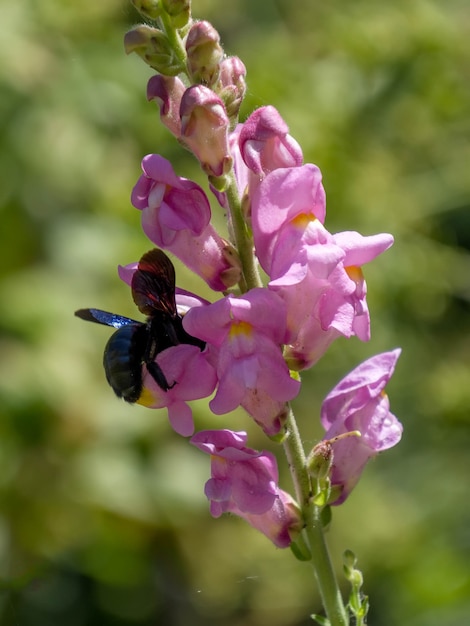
(243,238)
(174,38)
(324,572)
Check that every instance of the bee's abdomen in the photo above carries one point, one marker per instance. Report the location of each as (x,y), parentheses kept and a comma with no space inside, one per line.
(122,361)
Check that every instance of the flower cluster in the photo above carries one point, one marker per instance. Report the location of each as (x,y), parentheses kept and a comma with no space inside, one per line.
(258,335)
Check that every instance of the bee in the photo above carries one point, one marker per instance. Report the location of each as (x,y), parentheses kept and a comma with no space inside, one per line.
(136,344)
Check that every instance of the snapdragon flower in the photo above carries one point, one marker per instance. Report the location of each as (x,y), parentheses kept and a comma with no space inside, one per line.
(316,273)
(244,482)
(258,146)
(359,402)
(265,143)
(176,216)
(247,332)
(192,377)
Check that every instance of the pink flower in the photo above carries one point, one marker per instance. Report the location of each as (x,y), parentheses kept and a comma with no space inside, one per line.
(265,144)
(322,308)
(247,332)
(258,146)
(244,482)
(359,250)
(193,377)
(176,216)
(359,402)
(287,199)
(317,274)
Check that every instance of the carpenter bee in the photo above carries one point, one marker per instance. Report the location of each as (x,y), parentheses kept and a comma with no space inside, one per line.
(134,343)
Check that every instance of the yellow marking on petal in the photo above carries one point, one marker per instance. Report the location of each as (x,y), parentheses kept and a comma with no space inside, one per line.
(355,273)
(302,220)
(240,328)
(220,459)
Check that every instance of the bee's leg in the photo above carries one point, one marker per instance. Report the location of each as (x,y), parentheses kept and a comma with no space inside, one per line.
(158,376)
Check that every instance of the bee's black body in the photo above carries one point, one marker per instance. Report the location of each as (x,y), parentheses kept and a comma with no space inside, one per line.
(138,343)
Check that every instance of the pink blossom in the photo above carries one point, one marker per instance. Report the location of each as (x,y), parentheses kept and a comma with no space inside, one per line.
(321,308)
(244,482)
(176,217)
(360,250)
(192,376)
(359,402)
(317,274)
(247,332)
(289,198)
(258,146)
(265,144)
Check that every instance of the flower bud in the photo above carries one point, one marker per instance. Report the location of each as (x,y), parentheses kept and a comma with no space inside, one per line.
(204,53)
(204,129)
(148,8)
(320,460)
(153,47)
(178,10)
(167,92)
(232,84)
(349,561)
(232,274)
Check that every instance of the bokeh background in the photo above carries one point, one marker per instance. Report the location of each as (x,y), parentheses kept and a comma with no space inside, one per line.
(103,520)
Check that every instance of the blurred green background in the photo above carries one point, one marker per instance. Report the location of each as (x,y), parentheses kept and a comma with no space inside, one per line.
(103,520)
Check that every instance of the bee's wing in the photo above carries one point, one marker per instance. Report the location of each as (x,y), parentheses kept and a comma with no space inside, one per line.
(105,318)
(153,284)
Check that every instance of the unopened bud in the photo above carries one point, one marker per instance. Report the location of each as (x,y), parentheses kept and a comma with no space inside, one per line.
(179,11)
(204,53)
(349,560)
(204,129)
(148,8)
(167,92)
(320,460)
(232,85)
(232,275)
(153,47)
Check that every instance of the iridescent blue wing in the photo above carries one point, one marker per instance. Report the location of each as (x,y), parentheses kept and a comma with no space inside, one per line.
(105,318)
